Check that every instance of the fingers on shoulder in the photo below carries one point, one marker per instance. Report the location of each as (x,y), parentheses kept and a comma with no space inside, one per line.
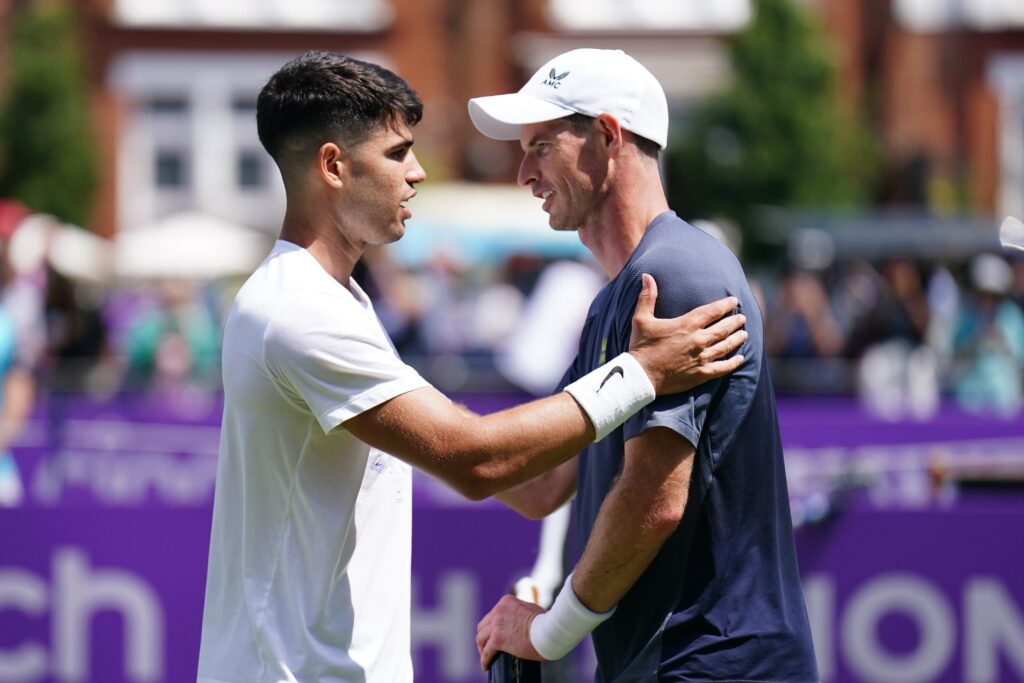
(708,313)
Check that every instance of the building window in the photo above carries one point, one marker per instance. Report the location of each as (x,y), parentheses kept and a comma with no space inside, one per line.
(168,105)
(251,170)
(273,15)
(170,169)
(246,106)
(721,16)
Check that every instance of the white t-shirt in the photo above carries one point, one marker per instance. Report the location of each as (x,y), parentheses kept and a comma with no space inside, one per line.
(309,573)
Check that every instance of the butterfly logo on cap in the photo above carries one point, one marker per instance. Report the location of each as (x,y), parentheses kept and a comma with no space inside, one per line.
(554,78)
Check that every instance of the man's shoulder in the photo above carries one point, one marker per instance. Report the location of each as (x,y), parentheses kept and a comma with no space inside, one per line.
(690,267)
(278,315)
(283,292)
(671,243)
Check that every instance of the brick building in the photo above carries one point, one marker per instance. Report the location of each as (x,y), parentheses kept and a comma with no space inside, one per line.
(174,83)
(943,84)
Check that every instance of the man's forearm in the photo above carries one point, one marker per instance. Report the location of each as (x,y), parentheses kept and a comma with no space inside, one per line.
(626,539)
(642,510)
(477,455)
(542,495)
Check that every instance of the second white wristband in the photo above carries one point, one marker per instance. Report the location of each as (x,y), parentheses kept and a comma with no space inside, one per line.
(556,632)
(612,393)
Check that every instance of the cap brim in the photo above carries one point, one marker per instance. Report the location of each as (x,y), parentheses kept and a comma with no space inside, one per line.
(501,116)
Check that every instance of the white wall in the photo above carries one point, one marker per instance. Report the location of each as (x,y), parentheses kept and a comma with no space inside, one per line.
(1006,74)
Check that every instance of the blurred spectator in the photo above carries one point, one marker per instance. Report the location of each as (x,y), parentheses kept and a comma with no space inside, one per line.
(855,294)
(896,310)
(61,273)
(897,371)
(397,295)
(540,348)
(175,342)
(944,304)
(1017,289)
(445,326)
(496,310)
(75,333)
(18,360)
(803,325)
(989,338)
(17,398)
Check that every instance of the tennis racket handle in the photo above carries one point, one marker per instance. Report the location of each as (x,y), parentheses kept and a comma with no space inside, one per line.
(508,669)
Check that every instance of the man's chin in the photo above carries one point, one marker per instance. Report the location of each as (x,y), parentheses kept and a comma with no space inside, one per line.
(559,226)
(393,235)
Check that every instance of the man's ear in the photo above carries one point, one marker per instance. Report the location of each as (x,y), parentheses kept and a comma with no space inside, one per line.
(330,161)
(609,133)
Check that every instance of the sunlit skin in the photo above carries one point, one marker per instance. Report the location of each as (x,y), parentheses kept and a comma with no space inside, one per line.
(564,169)
(593,182)
(346,199)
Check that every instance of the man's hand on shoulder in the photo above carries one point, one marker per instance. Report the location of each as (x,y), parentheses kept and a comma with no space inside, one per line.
(681,353)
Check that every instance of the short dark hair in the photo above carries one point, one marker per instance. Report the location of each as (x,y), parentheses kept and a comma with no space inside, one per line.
(581,123)
(322,96)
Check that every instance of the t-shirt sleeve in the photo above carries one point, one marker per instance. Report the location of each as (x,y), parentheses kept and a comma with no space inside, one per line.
(684,413)
(332,355)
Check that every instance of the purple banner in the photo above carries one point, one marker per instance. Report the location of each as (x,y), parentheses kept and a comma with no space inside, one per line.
(102,594)
(907,579)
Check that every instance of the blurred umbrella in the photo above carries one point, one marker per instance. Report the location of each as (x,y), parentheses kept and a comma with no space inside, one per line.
(72,251)
(188,245)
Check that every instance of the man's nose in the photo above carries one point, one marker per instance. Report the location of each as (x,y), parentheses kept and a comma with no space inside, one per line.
(416,174)
(527,172)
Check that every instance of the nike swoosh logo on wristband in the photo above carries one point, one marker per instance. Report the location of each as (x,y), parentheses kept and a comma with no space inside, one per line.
(617,370)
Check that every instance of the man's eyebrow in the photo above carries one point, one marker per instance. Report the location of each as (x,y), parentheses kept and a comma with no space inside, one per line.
(405,143)
(533,141)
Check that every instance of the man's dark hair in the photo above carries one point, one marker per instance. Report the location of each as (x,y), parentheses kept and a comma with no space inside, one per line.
(581,123)
(322,96)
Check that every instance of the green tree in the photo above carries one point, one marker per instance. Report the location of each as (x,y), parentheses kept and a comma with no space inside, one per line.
(776,136)
(47,157)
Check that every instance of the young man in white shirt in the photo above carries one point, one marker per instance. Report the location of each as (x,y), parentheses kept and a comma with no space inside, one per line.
(309,571)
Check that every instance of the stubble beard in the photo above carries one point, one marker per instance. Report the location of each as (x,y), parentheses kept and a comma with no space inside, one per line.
(561,224)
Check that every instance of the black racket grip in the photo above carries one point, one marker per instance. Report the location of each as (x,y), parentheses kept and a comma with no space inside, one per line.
(508,669)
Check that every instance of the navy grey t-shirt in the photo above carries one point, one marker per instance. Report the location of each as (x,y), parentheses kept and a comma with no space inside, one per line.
(722,600)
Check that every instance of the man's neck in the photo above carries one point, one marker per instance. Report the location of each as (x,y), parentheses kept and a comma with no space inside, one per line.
(614,234)
(324,241)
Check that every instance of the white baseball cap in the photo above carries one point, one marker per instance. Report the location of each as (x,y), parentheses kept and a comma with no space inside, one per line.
(584,81)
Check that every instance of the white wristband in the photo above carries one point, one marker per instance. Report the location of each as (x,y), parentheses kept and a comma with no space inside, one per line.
(556,632)
(612,393)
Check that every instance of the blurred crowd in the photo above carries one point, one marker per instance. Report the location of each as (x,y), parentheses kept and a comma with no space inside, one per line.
(904,334)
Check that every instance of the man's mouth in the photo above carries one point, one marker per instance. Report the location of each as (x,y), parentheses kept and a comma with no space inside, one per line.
(406,211)
(546,196)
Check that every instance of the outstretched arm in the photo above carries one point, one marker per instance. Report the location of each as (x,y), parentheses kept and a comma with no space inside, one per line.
(476,455)
(481,455)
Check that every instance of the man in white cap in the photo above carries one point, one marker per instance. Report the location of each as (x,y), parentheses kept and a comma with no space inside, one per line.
(689,568)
